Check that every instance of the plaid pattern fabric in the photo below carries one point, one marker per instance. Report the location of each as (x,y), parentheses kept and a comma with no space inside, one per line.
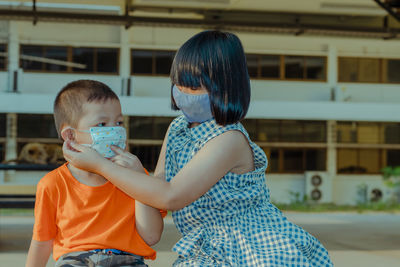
(94,258)
(234,223)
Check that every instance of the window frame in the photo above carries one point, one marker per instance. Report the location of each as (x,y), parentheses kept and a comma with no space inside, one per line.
(383,72)
(5,58)
(153,62)
(282,68)
(70,55)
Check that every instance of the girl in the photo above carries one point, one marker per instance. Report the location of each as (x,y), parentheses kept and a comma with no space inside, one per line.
(212,174)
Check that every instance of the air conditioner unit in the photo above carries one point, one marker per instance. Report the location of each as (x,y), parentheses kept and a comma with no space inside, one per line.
(318,187)
(375,194)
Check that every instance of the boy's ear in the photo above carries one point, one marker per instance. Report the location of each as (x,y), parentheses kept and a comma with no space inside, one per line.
(67,133)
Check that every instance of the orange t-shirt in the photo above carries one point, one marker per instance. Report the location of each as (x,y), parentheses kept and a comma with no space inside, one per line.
(81,217)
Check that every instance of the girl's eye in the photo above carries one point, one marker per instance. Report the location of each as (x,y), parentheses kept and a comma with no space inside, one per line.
(120,123)
(101,124)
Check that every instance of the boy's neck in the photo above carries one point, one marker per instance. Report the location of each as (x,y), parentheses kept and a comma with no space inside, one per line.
(85,177)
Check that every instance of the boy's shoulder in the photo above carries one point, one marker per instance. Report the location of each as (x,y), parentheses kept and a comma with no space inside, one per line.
(51,179)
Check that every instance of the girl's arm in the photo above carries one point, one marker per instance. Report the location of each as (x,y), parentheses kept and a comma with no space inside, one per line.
(148,220)
(39,253)
(218,156)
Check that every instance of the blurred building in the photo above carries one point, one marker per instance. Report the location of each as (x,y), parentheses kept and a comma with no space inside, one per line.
(325,78)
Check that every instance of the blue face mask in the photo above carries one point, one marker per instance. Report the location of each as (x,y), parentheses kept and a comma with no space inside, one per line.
(196,108)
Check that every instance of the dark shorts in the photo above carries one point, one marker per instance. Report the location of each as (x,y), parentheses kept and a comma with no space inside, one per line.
(99,259)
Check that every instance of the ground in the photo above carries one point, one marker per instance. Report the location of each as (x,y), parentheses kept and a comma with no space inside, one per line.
(352,239)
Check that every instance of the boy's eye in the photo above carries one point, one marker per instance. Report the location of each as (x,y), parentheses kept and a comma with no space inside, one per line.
(101,124)
(120,123)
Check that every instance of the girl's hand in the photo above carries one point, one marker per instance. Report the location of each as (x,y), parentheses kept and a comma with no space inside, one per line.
(126,159)
(82,157)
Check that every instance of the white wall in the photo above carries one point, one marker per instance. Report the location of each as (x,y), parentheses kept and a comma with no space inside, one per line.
(289,91)
(145,86)
(3,81)
(280,186)
(171,38)
(51,83)
(68,33)
(345,187)
(371,92)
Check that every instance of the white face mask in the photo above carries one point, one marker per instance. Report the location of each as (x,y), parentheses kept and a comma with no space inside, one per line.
(104,137)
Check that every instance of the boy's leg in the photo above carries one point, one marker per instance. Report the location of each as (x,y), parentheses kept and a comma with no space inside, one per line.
(78,258)
(127,261)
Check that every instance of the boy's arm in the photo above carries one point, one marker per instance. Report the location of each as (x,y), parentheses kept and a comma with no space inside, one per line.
(39,253)
(149,223)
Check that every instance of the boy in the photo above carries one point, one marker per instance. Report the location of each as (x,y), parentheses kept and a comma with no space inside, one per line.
(83,217)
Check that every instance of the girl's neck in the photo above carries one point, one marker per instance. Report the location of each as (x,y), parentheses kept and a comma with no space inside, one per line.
(193,124)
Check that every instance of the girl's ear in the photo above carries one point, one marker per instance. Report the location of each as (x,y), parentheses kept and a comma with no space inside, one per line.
(68,134)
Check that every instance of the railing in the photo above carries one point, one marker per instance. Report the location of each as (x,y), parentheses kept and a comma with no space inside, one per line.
(15,200)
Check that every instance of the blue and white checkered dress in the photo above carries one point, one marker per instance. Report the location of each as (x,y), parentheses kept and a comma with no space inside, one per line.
(234,224)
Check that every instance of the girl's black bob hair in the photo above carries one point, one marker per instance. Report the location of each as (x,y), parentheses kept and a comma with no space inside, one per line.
(215,61)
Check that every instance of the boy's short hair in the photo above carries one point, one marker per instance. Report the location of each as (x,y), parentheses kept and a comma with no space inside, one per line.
(216,61)
(69,101)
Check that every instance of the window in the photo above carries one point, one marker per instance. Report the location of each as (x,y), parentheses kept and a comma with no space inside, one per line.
(151,62)
(31,50)
(147,135)
(314,131)
(2,152)
(359,160)
(291,131)
(392,133)
(164,61)
(393,158)
(294,67)
(286,130)
(37,140)
(315,68)
(57,53)
(368,132)
(252,65)
(369,70)
(295,160)
(84,56)
(3,124)
(148,127)
(393,70)
(95,60)
(273,160)
(347,161)
(148,155)
(36,126)
(346,132)
(3,57)
(305,68)
(107,60)
(270,66)
(268,131)
(315,159)
(43,53)
(348,70)
(263,66)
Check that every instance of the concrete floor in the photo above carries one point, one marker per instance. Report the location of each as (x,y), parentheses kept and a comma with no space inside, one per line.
(352,239)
